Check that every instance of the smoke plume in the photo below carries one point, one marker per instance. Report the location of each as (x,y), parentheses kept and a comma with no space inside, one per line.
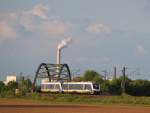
(64,43)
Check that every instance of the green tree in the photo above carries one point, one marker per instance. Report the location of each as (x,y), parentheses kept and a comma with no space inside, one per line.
(91,75)
(12,85)
(115,87)
(25,86)
(2,85)
(105,86)
(9,89)
(77,79)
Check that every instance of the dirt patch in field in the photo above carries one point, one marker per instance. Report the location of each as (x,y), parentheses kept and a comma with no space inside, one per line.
(27,106)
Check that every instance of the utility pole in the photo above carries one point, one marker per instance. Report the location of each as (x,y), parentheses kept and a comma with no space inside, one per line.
(115,73)
(105,74)
(105,77)
(123,83)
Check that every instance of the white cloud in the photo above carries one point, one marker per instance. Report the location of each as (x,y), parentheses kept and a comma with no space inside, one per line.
(27,17)
(141,50)
(11,16)
(7,31)
(26,20)
(46,25)
(40,10)
(54,28)
(98,28)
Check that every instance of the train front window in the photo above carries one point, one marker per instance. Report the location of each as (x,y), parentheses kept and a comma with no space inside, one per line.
(96,86)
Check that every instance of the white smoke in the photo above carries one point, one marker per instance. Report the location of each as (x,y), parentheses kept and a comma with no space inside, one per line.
(64,43)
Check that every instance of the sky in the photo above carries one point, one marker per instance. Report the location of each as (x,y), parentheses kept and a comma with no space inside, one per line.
(104,33)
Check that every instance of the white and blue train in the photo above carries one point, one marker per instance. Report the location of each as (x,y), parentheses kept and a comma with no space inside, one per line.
(71,87)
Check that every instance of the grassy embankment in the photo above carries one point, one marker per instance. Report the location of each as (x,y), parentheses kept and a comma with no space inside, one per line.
(86,99)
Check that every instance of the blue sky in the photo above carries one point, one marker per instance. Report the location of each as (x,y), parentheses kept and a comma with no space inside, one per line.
(105,33)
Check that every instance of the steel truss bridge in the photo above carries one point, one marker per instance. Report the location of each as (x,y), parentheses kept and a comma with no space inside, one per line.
(52,72)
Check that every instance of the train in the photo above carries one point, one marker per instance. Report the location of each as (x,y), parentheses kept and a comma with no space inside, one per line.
(71,87)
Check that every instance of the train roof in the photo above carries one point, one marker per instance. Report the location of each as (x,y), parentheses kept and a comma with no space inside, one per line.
(67,82)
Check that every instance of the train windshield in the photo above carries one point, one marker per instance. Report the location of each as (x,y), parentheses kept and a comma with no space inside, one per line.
(96,86)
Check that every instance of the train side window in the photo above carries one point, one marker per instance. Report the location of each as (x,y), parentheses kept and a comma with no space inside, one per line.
(88,87)
(57,86)
(50,86)
(42,86)
(47,86)
(76,86)
(65,86)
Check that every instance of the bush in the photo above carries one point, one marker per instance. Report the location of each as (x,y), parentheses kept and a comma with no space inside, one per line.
(139,88)
(9,90)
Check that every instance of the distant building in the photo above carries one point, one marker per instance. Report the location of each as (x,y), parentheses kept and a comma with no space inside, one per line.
(9,78)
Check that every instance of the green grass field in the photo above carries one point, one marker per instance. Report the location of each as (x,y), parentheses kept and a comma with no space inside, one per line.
(87,99)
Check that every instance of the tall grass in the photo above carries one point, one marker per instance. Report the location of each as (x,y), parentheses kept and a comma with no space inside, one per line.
(88,99)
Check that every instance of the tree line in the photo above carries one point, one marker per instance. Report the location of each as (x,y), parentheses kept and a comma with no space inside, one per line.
(136,87)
